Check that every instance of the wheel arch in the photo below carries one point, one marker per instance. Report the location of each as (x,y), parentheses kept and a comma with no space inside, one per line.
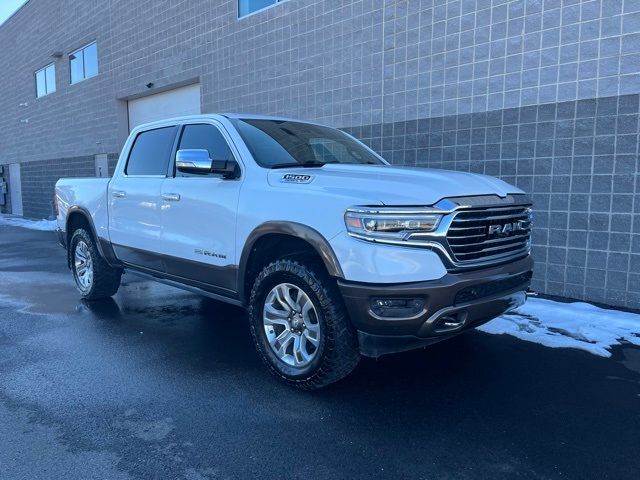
(297,232)
(78,217)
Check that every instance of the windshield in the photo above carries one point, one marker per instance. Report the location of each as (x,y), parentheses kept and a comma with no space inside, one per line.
(278,144)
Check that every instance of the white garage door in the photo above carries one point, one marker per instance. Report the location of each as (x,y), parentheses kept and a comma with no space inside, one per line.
(172,103)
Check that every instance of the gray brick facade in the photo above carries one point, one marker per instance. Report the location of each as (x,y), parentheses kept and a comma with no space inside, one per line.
(542,93)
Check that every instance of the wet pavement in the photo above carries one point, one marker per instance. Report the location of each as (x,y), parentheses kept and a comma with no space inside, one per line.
(159,383)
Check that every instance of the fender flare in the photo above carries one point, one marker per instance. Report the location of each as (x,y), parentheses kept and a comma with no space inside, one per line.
(292,229)
(104,246)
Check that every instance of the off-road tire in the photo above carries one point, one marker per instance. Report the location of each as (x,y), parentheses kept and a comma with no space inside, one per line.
(106,279)
(338,352)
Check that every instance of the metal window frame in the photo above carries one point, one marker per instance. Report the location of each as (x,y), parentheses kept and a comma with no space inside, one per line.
(84,72)
(46,88)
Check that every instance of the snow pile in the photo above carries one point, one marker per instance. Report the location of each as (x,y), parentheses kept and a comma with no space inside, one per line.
(568,325)
(43,225)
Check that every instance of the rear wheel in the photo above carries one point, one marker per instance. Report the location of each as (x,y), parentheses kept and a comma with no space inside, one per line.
(300,326)
(94,277)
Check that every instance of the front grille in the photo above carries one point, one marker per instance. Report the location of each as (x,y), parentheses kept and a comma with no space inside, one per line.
(490,234)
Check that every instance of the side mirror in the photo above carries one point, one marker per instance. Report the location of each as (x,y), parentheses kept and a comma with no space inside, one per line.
(197,161)
(226,168)
(193,161)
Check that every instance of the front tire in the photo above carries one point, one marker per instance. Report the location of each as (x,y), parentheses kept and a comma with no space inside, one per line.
(95,278)
(300,326)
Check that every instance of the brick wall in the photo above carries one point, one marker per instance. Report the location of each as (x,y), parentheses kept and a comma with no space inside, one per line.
(41,176)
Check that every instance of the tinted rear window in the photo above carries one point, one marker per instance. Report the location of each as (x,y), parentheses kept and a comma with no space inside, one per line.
(151,152)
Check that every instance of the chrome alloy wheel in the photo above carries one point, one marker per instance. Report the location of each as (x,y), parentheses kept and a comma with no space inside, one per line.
(83,265)
(291,324)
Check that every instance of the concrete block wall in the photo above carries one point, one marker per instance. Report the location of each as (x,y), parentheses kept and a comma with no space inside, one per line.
(42,175)
(76,120)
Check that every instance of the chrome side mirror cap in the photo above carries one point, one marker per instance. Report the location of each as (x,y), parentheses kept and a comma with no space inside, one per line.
(193,161)
(197,161)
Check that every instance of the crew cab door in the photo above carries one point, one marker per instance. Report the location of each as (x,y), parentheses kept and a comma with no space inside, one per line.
(135,199)
(199,215)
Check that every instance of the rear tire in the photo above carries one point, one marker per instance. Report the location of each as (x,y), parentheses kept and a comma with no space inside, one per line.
(306,341)
(94,277)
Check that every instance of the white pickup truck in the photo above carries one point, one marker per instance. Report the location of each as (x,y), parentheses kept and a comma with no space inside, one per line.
(334,252)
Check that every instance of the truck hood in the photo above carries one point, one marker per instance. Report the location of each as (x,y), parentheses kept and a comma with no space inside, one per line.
(391,185)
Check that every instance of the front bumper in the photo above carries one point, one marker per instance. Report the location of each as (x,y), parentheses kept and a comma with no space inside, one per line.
(451,305)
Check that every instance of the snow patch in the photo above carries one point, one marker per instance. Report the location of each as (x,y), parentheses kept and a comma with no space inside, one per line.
(42,225)
(568,325)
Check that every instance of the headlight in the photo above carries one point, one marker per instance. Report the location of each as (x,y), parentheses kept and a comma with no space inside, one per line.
(390,225)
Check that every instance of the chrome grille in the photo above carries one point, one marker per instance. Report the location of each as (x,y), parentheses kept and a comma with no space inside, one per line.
(490,234)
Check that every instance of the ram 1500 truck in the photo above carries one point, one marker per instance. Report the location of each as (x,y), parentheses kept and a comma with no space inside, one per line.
(334,252)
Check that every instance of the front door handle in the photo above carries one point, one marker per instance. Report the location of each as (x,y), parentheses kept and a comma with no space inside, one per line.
(118,194)
(171,197)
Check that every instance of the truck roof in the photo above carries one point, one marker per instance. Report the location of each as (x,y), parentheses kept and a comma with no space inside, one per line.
(216,116)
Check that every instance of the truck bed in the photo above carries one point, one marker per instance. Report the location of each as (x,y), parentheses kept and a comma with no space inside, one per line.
(89,194)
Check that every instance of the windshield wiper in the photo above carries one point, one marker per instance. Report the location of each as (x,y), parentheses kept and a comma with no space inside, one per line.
(296,164)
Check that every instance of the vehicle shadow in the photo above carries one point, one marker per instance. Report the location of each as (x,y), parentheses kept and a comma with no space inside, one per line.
(106,308)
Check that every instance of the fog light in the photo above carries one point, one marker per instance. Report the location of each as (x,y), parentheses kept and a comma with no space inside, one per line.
(397,307)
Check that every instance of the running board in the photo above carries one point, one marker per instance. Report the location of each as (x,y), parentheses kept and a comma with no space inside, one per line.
(189,288)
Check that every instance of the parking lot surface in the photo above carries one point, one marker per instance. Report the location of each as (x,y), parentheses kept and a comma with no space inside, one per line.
(159,383)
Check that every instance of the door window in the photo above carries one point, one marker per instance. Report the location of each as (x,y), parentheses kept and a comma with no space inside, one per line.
(151,152)
(204,137)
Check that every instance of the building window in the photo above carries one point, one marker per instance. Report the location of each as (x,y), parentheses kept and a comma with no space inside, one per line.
(46,80)
(83,63)
(245,7)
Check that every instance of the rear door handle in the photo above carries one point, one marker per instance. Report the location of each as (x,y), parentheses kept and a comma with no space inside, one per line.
(171,197)
(118,194)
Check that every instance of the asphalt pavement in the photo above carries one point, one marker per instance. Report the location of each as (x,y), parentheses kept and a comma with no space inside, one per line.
(160,383)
